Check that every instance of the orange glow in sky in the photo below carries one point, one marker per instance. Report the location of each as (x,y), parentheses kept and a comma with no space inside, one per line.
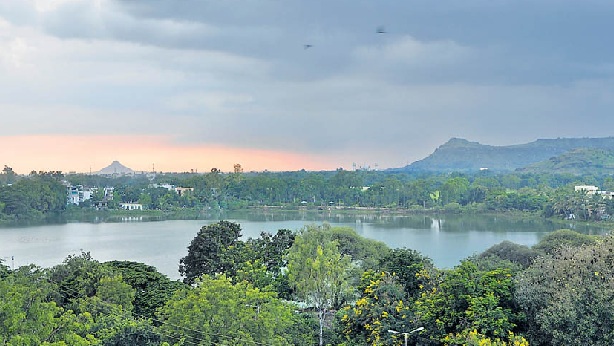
(142,153)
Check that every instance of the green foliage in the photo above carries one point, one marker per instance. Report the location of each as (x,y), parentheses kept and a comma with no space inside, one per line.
(7,176)
(515,253)
(367,252)
(552,242)
(4,270)
(79,276)
(218,312)
(467,299)
(28,317)
(568,298)
(206,252)
(382,306)
(132,332)
(473,338)
(577,161)
(272,249)
(152,289)
(318,272)
(33,198)
(42,195)
(406,264)
(257,274)
(113,290)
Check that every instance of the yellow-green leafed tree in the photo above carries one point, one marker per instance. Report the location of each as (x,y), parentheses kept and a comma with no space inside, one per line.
(319,273)
(29,318)
(218,312)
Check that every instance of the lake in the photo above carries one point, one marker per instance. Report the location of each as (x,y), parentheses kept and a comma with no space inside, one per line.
(445,239)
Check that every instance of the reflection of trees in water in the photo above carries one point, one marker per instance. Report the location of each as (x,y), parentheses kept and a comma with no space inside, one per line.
(381,220)
(445,223)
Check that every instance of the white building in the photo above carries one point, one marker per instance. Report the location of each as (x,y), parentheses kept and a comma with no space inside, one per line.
(131,206)
(77,194)
(589,189)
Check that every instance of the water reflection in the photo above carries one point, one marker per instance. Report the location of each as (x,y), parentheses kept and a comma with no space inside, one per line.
(446,239)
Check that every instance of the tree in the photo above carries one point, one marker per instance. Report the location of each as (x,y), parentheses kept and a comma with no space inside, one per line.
(515,253)
(568,297)
(272,249)
(97,292)
(318,272)
(152,289)
(29,317)
(381,306)
(207,249)
(406,264)
(435,197)
(33,198)
(468,299)
(552,242)
(77,277)
(4,270)
(217,312)
(363,251)
(8,175)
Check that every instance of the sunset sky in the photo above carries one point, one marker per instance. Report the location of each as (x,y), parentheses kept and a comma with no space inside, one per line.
(289,85)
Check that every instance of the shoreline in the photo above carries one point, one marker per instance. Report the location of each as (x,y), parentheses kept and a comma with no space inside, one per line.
(113,216)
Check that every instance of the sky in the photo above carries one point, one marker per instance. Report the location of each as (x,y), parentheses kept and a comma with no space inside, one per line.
(294,84)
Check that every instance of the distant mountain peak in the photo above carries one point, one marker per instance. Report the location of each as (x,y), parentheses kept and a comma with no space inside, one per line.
(459,142)
(115,168)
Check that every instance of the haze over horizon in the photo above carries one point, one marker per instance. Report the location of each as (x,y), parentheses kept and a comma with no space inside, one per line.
(294,85)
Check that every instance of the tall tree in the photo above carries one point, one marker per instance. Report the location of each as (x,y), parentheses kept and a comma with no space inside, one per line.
(206,251)
(318,273)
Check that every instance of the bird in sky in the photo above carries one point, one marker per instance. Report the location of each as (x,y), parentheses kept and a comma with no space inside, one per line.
(307,46)
(381,30)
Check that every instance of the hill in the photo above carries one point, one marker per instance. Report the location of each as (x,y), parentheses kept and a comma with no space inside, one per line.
(578,161)
(115,168)
(461,155)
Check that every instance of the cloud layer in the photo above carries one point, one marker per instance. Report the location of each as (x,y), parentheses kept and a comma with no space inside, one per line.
(237,75)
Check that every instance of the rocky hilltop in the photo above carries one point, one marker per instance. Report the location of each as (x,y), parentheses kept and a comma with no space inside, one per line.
(461,155)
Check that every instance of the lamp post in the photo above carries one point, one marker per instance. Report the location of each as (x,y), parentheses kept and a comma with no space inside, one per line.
(406,335)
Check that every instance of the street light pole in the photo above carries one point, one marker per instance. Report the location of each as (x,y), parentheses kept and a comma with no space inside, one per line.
(405,335)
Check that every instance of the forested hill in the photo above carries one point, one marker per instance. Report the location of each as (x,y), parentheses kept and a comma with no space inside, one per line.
(461,155)
(578,161)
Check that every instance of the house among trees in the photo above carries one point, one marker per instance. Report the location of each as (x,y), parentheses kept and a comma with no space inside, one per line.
(594,190)
(77,194)
(179,190)
(131,206)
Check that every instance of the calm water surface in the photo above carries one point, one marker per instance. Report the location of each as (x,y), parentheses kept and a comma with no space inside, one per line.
(446,240)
